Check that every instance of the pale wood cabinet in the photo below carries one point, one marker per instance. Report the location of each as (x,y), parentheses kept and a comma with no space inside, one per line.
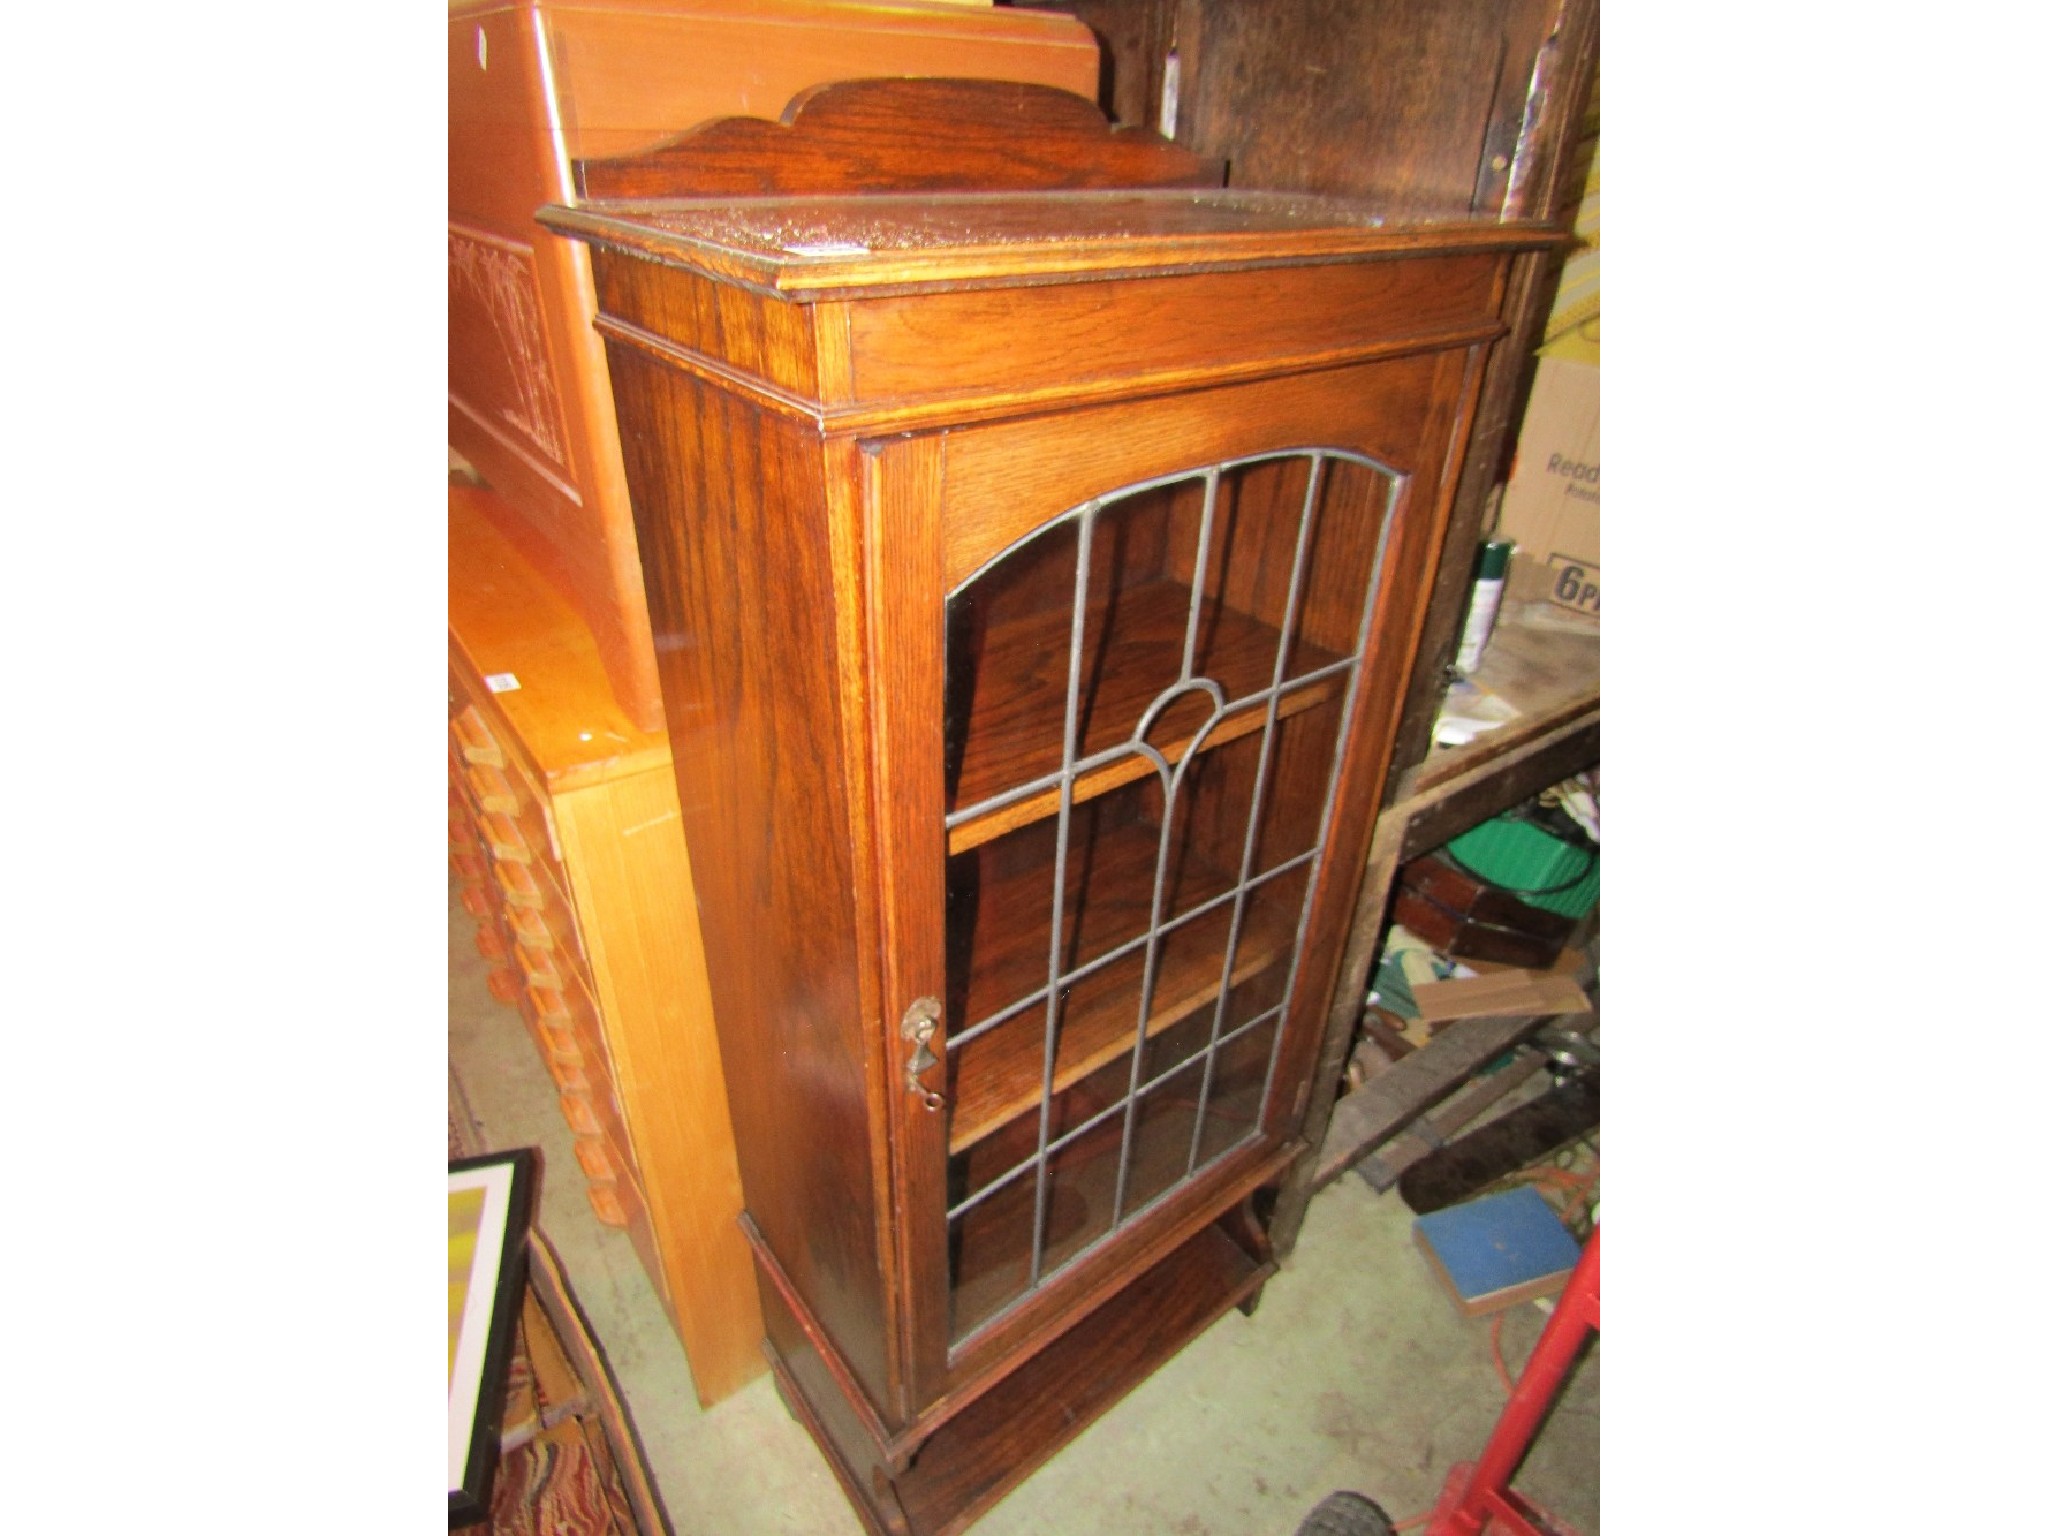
(536,84)
(568,843)
(1035,567)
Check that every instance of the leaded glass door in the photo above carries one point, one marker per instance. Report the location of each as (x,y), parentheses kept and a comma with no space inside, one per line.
(1145,702)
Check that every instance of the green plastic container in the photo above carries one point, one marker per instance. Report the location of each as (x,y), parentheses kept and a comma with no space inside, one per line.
(1528,862)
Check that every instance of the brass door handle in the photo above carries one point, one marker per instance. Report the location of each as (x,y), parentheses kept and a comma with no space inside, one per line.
(919,1021)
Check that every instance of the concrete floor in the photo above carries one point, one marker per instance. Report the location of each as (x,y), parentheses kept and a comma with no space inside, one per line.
(1356,1371)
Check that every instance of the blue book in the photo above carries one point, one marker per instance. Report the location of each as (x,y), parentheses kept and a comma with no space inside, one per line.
(1498,1250)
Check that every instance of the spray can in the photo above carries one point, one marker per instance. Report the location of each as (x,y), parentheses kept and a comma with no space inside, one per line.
(1486,591)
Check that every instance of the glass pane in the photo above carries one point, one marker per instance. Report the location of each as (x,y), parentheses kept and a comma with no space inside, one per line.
(1178,1044)
(1298,779)
(1138,609)
(989,1253)
(1112,864)
(1218,789)
(1237,1091)
(1081,1187)
(1250,567)
(1160,910)
(1162,1134)
(990,1241)
(1008,634)
(1351,506)
(998,912)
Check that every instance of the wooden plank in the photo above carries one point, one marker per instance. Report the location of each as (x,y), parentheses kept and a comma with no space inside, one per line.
(1412,1085)
(1434,818)
(1546,671)
(1520,1137)
(1517,990)
(1430,1132)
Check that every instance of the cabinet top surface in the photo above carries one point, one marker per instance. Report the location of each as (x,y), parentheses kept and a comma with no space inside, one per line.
(505,618)
(823,247)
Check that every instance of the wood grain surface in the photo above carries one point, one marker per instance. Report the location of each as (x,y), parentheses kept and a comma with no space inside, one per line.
(741,589)
(848,137)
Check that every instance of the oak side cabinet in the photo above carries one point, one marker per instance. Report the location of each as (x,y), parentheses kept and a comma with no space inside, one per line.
(1035,575)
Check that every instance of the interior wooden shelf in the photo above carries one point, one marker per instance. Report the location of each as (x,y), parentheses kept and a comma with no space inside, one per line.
(1017,716)
(999,1076)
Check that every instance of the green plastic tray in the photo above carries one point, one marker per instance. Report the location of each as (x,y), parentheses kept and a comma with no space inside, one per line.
(1527,861)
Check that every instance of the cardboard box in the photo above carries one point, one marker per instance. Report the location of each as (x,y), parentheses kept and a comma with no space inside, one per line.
(1552,506)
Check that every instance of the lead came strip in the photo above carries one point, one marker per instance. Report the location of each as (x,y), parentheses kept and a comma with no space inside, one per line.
(1251,825)
(1082,553)
(1395,485)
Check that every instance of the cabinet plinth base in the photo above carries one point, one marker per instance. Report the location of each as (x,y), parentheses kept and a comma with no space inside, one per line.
(976,1457)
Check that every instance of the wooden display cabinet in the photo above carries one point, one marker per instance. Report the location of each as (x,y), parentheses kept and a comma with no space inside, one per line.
(1036,543)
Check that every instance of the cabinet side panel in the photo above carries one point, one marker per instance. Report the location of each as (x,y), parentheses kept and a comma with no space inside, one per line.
(728,501)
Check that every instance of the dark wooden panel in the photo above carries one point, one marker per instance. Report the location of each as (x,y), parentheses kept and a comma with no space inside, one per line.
(1134,36)
(876,136)
(1518,1138)
(1462,803)
(1413,1085)
(1391,99)
(816,1400)
(742,595)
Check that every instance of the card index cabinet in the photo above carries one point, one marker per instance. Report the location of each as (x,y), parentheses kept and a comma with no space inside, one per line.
(1035,577)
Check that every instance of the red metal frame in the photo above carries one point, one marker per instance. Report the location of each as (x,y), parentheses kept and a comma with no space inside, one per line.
(1476,1495)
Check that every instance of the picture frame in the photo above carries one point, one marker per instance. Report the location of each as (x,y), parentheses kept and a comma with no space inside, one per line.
(490,1210)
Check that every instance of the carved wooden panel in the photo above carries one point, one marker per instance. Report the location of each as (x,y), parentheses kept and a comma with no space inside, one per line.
(500,370)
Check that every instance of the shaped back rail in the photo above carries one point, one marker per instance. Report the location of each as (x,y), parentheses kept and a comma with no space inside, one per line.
(906,135)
